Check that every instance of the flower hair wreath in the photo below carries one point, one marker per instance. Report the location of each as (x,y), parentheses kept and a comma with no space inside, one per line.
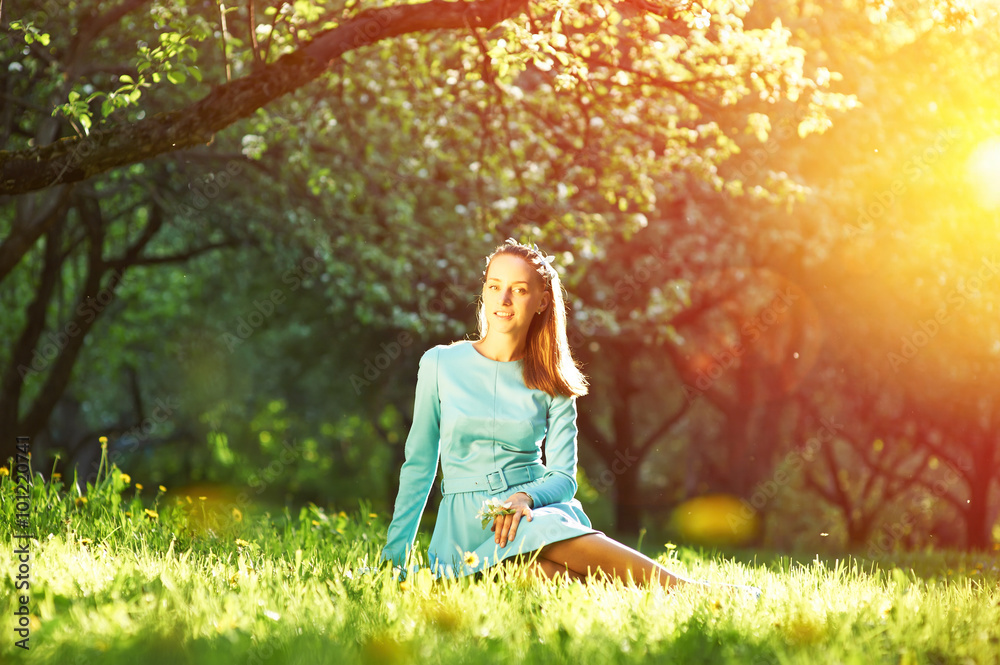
(546,259)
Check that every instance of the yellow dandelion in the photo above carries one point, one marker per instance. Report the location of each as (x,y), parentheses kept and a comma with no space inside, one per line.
(404,585)
(471,559)
(138,486)
(86,541)
(372,514)
(342,514)
(79,500)
(152,513)
(128,513)
(104,441)
(162,488)
(55,476)
(315,523)
(202,498)
(4,471)
(188,499)
(126,478)
(237,515)
(242,543)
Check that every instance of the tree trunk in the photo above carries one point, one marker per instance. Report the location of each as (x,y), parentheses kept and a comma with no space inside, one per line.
(978,530)
(628,517)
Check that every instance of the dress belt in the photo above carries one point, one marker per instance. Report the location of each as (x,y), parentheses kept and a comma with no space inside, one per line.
(498,481)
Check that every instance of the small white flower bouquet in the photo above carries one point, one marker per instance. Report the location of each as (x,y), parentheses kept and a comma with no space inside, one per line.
(492,509)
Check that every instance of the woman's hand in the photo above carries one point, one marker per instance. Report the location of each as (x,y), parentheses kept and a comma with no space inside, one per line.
(505,526)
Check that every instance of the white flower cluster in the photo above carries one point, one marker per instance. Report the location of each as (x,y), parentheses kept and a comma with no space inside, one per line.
(547,267)
(492,509)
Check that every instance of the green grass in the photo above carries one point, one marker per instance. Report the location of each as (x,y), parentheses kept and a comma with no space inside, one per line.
(192,581)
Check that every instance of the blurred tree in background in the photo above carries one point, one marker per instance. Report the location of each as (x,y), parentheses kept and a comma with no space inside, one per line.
(227,234)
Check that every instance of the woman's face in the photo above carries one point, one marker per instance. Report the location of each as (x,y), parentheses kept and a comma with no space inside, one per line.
(513,294)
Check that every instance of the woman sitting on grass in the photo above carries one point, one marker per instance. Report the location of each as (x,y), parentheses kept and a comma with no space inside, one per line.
(484,408)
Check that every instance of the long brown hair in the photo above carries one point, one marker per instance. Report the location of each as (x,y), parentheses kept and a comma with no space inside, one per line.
(548,361)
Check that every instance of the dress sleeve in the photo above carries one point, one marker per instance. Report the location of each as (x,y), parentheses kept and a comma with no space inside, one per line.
(559,482)
(422,450)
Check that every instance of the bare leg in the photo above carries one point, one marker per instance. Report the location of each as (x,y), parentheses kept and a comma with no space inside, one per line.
(552,569)
(596,551)
(547,569)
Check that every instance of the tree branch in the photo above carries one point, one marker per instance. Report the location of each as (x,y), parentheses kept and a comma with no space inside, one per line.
(663,428)
(62,365)
(95,26)
(252,29)
(586,426)
(77,158)
(180,257)
(21,355)
(23,236)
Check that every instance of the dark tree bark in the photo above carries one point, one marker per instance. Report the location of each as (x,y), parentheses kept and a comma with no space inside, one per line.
(31,353)
(624,451)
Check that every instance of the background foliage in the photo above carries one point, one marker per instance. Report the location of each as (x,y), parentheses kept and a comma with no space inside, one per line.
(775,222)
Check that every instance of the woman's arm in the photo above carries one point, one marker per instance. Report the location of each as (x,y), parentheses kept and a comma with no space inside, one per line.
(559,483)
(422,450)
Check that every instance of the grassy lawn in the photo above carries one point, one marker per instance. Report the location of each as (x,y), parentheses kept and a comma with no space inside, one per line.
(124,577)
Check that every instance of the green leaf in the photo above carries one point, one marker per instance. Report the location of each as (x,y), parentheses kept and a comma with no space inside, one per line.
(85,121)
(107,106)
(125,78)
(73,95)
(176,77)
(194,72)
(135,95)
(156,77)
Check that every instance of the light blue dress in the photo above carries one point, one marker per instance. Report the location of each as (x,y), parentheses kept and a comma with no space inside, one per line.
(478,417)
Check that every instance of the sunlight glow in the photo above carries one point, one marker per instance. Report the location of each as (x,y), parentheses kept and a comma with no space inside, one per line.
(984,173)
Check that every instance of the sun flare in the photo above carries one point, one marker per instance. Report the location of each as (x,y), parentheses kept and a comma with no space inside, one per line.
(984,173)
